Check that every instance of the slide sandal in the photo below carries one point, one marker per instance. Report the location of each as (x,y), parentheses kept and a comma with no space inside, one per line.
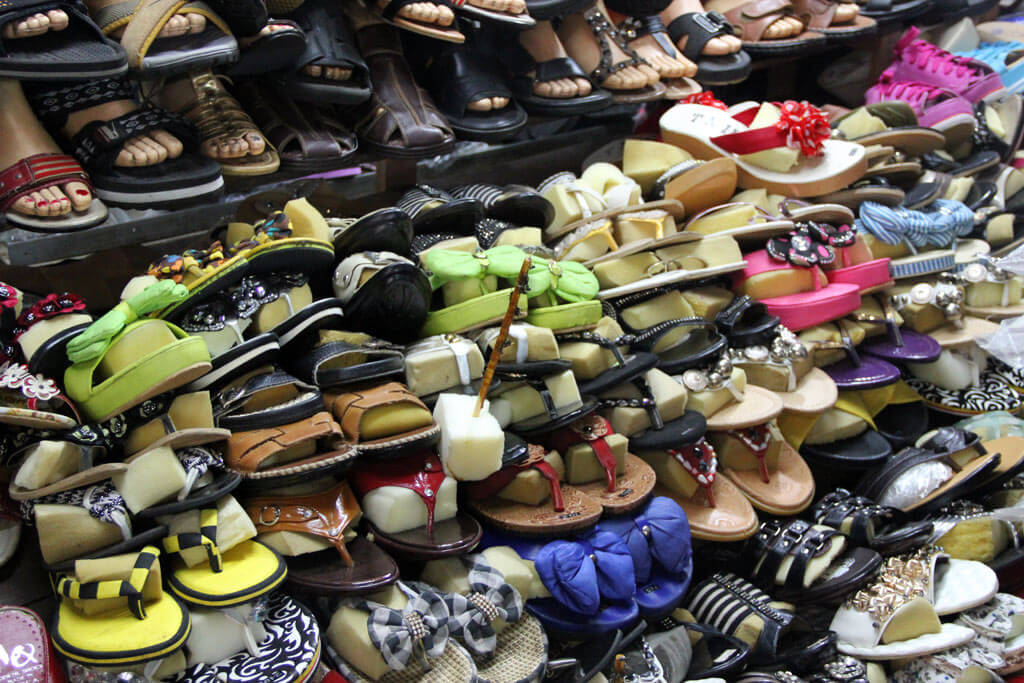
(79,52)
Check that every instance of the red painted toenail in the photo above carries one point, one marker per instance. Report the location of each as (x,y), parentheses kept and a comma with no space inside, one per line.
(42,203)
(82,193)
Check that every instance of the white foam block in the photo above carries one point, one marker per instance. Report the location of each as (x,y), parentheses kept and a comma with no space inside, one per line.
(471,447)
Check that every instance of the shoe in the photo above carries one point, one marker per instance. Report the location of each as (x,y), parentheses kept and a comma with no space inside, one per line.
(920,61)
(936,107)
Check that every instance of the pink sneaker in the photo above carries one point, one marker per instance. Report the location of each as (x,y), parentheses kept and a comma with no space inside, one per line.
(923,62)
(937,108)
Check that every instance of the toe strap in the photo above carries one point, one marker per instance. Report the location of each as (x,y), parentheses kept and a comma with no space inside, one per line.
(38,172)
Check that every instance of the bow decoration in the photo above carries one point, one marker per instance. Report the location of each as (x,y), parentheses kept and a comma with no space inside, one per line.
(659,534)
(804,126)
(580,573)
(945,220)
(423,622)
(705,98)
(569,280)
(492,598)
(448,265)
(95,339)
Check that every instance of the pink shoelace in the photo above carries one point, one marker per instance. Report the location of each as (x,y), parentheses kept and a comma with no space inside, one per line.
(915,94)
(925,55)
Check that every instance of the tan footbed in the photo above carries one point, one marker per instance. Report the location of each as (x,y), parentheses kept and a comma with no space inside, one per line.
(789,491)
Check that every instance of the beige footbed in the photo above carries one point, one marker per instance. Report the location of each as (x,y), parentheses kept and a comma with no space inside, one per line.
(815,393)
(710,184)
(632,490)
(757,407)
(789,491)
(673,207)
(950,336)
(732,519)
(1011,451)
(93,475)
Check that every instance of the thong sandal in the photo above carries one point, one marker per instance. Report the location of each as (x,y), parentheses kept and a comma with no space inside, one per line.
(603,31)
(326,561)
(450,34)
(329,43)
(150,55)
(699,28)
(306,140)
(80,51)
(409,506)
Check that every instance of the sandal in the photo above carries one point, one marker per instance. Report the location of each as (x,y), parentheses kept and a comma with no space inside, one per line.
(633,28)
(698,28)
(363,631)
(271,52)
(908,597)
(603,31)
(591,441)
(823,568)
(445,363)
(384,420)
(107,634)
(715,508)
(409,506)
(39,172)
(540,406)
(255,636)
(115,349)
(750,20)
(521,63)
(531,495)
(399,120)
(459,76)
(322,558)
(821,14)
(448,34)
(869,525)
(34,401)
(803,299)
(43,330)
(329,44)
(171,183)
(345,358)
(221,119)
(708,132)
(387,229)
(151,56)
(383,294)
(306,139)
(78,52)
(658,538)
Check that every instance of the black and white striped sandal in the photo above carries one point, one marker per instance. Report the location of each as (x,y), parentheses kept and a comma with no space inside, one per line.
(434,210)
(516,204)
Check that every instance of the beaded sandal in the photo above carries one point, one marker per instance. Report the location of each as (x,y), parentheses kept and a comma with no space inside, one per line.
(604,31)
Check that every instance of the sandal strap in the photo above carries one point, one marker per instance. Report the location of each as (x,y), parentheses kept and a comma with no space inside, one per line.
(775,541)
(724,600)
(229,404)
(38,172)
(492,485)
(422,476)
(327,515)
(841,505)
(698,28)
(147,20)
(329,41)
(205,538)
(349,408)
(739,313)
(130,588)
(98,143)
(53,105)
(603,31)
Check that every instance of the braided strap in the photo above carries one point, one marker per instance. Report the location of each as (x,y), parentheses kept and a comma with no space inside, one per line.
(98,143)
(205,538)
(130,588)
(53,105)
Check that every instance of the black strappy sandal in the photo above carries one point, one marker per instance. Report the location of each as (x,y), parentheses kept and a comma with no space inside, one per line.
(519,61)
(870,525)
(604,31)
(699,28)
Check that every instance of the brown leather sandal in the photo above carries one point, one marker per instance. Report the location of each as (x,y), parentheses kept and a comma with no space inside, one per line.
(819,15)
(360,567)
(384,420)
(512,498)
(754,17)
(399,120)
(264,455)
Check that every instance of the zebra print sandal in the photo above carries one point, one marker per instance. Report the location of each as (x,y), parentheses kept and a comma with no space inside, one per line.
(516,204)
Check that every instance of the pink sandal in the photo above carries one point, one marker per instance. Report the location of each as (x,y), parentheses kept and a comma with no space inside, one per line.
(803,300)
